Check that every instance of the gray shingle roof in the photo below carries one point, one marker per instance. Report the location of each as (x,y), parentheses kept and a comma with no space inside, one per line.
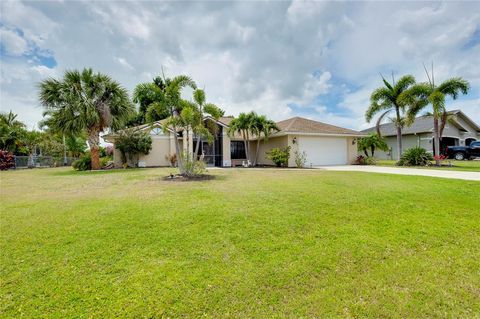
(422,124)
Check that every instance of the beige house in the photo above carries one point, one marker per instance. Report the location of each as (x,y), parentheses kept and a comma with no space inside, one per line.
(322,143)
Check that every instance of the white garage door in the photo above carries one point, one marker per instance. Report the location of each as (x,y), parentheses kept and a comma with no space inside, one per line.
(324,150)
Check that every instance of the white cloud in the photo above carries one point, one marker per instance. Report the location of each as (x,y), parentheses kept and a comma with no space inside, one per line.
(13,43)
(264,56)
(125,63)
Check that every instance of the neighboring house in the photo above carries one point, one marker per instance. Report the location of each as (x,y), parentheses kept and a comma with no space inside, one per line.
(460,130)
(322,143)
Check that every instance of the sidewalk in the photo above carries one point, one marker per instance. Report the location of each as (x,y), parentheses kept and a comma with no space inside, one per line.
(471,176)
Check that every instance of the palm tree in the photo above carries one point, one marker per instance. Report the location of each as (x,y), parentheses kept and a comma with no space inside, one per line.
(11,132)
(166,95)
(389,99)
(243,125)
(262,125)
(372,142)
(204,109)
(429,93)
(84,101)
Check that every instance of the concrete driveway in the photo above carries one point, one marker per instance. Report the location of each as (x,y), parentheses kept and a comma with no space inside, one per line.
(471,176)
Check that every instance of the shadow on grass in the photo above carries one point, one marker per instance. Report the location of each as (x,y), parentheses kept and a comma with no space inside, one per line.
(73,172)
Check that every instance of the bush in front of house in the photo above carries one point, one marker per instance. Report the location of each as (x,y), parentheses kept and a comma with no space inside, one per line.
(84,163)
(133,143)
(415,156)
(279,156)
(365,160)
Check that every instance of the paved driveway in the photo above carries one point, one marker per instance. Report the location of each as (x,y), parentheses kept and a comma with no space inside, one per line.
(472,176)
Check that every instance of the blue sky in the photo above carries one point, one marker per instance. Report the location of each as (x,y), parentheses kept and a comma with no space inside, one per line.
(319,60)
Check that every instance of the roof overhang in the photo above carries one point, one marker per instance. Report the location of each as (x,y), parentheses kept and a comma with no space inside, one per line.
(282,133)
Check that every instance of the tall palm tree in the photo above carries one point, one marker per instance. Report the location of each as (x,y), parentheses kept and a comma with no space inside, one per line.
(166,95)
(262,126)
(84,101)
(430,93)
(388,99)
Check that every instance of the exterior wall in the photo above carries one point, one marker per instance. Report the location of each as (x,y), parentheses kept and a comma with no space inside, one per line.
(273,142)
(117,157)
(408,141)
(351,149)
(227,159)
(157,155)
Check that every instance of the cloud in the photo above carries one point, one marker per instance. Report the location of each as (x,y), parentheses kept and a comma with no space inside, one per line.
(124,62)
(12,42)
(316,59)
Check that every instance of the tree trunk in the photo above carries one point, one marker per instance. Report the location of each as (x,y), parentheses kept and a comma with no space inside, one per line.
(372,148)
(256,152)
(30,160)
(366,152)
(197,148)
(94,143)
(399,134)
(245,143)
(436,141)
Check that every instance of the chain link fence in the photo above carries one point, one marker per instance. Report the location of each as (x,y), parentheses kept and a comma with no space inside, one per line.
(42,161)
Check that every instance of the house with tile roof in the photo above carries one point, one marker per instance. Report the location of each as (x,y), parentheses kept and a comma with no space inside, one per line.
(323,144)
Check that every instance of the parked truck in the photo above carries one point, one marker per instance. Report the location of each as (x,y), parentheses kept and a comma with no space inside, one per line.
(464,152)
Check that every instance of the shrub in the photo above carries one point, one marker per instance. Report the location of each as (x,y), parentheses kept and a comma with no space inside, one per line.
(279,156)
(192,167)
(105,160)
(415,156)
(132,143)
(7,160)
(365,160)
(84,163)
(300,158)
(172,158)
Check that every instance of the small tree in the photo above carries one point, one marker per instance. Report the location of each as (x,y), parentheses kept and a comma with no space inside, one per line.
(279,156)
(372,142)
(132,143)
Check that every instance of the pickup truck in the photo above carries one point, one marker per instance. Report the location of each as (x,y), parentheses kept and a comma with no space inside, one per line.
(464,152)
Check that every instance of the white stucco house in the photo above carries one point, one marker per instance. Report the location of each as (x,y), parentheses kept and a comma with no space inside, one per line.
(323,144)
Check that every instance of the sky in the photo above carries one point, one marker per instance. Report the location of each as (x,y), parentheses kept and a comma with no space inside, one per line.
(319,60)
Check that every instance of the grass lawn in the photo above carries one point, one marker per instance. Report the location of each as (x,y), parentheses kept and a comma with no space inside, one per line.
(473,166)
(252,243)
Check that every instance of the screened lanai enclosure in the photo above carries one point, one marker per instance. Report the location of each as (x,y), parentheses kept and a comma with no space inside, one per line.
(212,152)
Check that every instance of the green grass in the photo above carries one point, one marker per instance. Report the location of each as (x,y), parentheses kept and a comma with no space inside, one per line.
(250,244)
(473,166)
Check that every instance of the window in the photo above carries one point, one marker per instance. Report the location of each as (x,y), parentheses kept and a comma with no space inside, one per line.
(237,150)
(156,131)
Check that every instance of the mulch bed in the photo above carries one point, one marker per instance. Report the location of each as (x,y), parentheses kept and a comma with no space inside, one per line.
(181,178)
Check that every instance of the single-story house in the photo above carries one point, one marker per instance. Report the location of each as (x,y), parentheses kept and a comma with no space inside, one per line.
(323,144)
(460,130)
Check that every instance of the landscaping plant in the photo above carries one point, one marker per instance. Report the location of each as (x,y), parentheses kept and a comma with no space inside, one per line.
(131,144)
(279,156)
(415,156)
(430,93)
(300,158)
(84,163)
(85,102)
(7,160)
